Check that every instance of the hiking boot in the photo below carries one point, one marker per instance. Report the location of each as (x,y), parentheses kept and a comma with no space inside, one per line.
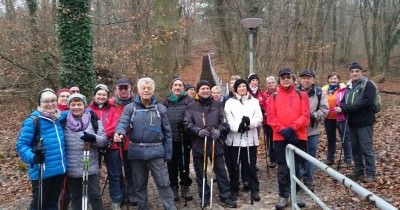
(132,201)
(300,202)
(345,164)
(246,187)
(115,206)
(329,162)
(310,186)
(175,191)
(368,179)
(282,203)
(356,177)
(229,203)
(272,165)
(184,193)
(206,204)
(255,196)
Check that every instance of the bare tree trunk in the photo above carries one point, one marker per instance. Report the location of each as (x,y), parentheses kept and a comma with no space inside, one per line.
(334,38)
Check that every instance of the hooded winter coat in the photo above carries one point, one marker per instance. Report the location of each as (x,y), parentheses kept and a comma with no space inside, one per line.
(151,135)
(213,115)
(237,107)
(74,148)
(359,108)
(289,108)
(53,141)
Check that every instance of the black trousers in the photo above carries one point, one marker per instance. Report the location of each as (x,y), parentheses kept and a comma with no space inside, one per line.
(50,192)
(180,164)
(283,169)
(246,157)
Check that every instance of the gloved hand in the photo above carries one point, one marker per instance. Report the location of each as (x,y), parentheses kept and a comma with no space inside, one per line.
(289,135)
(312,120)
(39,155)
(246,120)
(243,128)
(215,134)
(87,137)
(203,133)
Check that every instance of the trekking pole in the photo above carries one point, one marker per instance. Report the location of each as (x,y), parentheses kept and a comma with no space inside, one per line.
(212,170)
(204,166)
(266,147)
(40,178)
(238,159)
(184,189)
(248,161)
(104,186)
(342,141)
(86,160)
(121,157)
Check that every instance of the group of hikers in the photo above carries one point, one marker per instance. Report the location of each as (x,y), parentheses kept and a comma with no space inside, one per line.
(64,140)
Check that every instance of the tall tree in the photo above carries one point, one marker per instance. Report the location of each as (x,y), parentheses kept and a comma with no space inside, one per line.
(76,44)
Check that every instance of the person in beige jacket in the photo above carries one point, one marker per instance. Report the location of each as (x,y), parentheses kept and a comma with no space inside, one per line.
(318,111)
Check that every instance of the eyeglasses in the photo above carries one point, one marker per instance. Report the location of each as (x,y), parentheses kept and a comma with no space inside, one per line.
(49,101)
(64,96)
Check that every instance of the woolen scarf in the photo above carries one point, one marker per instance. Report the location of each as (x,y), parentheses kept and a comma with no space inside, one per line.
(51,115)
(78,123)
(332,88)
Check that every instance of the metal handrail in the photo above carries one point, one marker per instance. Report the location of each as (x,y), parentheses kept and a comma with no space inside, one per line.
(218,81)
(363,192)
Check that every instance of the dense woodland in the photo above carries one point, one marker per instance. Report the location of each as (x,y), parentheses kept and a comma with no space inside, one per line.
(60,43)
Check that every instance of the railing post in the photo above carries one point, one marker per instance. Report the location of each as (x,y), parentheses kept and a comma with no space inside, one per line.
(292,168)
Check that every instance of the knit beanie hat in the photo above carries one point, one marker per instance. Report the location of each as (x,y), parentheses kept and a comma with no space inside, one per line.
(201,83)
(39,97)
(355,65)
(77,96)
(253,76)
(240,81)
(188,86)
(101,87)
(61,90)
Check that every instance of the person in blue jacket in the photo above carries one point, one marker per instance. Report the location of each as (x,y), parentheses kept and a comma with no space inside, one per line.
(150,143)
(51,155)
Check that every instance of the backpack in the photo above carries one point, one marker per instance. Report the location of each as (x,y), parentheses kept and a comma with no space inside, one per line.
(36,134)
(378,99)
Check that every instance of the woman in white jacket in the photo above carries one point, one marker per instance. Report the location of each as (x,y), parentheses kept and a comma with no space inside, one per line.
(244,115)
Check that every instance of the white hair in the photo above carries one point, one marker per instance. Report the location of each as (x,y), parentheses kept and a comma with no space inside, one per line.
(146,80)
(270,78)
(217,88)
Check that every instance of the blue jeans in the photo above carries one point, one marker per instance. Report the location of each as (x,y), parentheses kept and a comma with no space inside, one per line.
(312,145)
(113,164)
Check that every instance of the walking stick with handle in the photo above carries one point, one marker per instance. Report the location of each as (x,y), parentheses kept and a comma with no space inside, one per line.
(40,178)
(212,170)
(85,176)
(204,166)
(121,157)
(342,141)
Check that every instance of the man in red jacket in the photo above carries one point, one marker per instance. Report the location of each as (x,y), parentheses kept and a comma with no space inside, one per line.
(288,115)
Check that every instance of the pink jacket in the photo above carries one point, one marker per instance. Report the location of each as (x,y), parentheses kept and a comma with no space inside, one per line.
(340,95)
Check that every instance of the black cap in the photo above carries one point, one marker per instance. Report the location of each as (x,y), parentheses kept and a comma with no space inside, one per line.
(253,76)
(201,83)
(188,86)
(123,81)
(240,81)
(307,72)
(285,71)
(355,65)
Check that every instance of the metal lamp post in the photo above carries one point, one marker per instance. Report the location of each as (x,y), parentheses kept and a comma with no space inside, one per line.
(251,24)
